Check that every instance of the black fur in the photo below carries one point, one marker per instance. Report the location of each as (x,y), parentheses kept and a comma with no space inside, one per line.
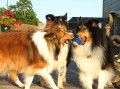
(50,17)
(78,27)
(59,20)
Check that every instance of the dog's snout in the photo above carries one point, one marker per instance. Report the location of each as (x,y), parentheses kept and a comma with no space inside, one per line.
(76,36)
(72,36)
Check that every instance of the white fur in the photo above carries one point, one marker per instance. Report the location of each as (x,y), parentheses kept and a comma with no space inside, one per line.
(89,62)
(60,65)
(62,55)
(105,77)
(40,42)
(38,39)
(47,77)
(28,80)
(19,83)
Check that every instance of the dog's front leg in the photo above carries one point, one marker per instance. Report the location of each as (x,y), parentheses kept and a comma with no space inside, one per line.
(61,75)
(64,75)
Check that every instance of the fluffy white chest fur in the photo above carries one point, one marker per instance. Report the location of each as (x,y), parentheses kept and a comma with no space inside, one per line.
(88,60)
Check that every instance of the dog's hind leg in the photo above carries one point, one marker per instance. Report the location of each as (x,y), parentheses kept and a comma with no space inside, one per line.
(28,80)
(47,77)
(14,77)
(86,80)
(105,77)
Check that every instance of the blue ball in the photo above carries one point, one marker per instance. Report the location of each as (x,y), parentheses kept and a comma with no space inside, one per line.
(78,41)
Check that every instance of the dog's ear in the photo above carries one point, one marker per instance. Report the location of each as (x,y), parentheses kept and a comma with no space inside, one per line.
(50,17)
(80,18)
(65,16)
(50,36)
(94,23)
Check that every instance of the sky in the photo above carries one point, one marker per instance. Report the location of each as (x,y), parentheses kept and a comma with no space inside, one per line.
(73,8)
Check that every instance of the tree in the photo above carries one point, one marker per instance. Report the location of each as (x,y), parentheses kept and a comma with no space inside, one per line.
(2,10)
(23,12)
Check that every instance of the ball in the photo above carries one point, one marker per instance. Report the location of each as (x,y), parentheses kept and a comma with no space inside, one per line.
(78,41)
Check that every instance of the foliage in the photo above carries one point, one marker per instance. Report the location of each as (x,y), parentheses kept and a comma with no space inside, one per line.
(7,18)
(2,10)
(24,12)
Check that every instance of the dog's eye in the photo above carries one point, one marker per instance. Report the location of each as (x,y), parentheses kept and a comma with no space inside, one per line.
(84,28)
(60,19)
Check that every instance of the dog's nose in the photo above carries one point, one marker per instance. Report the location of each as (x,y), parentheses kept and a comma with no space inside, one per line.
(76,36)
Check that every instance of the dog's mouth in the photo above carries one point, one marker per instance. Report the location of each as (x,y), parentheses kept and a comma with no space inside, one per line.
(83,40)
(66,41)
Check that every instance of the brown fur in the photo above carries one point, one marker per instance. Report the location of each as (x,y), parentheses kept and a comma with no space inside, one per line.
(50,25)
(17,52)
(85,33)
(57,34)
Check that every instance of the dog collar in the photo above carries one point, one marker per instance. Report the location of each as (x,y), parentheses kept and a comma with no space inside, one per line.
(56,58)
(88,56)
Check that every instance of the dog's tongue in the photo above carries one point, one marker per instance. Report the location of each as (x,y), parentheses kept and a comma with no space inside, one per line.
(66,41)
(83,40)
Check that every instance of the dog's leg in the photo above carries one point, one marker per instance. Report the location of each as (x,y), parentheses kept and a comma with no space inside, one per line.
(61,75)
(110,85)
(86,80)
(64,76)
(47,77)
(101,80)
(14,77)
(90,82)
(42,82)
(105,77)
(28,80)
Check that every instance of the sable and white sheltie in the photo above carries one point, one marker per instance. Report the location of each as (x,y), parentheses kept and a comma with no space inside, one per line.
(61,59)
(30,53)
(94,57)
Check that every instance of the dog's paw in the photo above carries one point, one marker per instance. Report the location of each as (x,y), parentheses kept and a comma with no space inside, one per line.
(22,86)
(61,87)
(42,83)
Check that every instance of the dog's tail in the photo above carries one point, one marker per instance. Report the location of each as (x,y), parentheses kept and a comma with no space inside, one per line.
(108,26)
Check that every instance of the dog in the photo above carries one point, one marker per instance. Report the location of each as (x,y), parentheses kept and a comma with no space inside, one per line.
(81,20)
(62,59)
(94,57)
(60,21)
(30,53)
(78,27)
